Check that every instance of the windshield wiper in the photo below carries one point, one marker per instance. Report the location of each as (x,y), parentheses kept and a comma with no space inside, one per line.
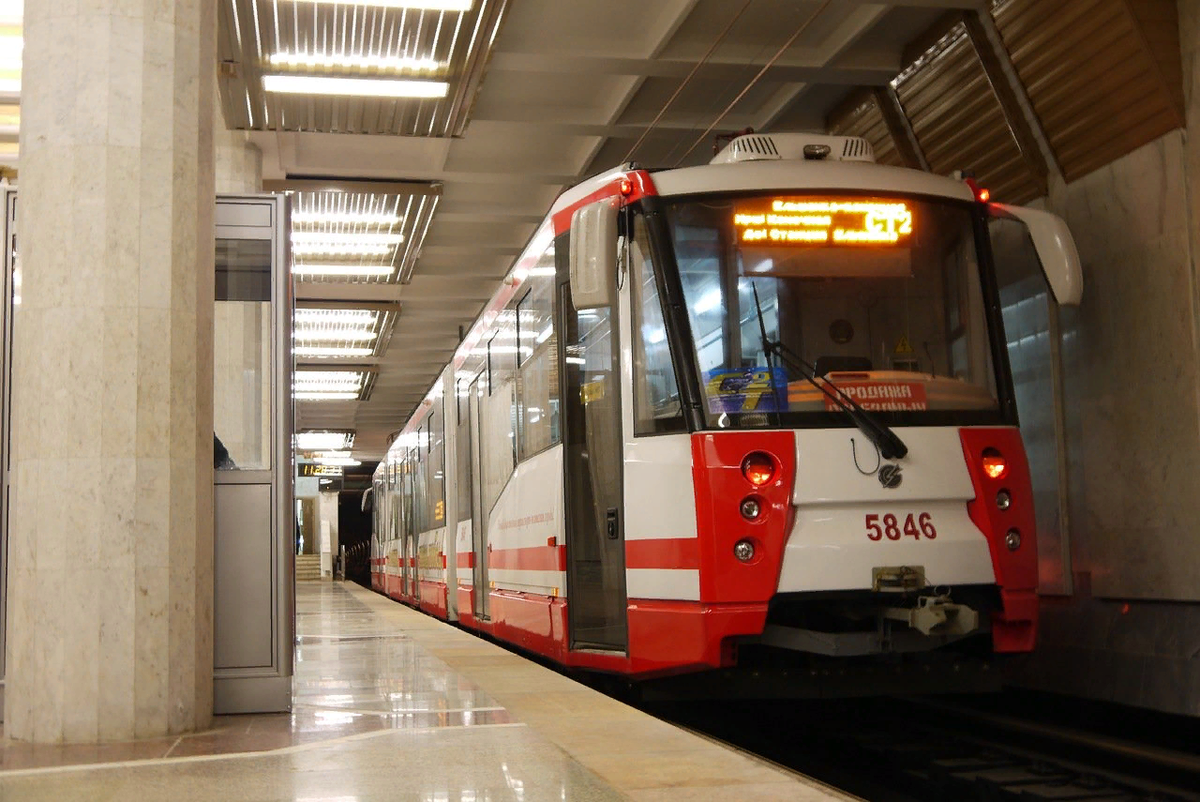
(890,446)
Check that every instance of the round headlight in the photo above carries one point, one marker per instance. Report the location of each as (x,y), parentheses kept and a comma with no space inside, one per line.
(1012,540)
(1003,500)
(758,468)
(751,509)
(743,550)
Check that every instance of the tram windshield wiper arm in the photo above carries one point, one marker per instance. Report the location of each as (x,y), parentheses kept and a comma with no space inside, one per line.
(889,444)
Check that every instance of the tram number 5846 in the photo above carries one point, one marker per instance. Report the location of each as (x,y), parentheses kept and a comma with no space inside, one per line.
(915,526)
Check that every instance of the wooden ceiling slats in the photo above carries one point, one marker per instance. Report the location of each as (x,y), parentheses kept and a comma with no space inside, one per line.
(1103,76)
(960,124)
(861,116)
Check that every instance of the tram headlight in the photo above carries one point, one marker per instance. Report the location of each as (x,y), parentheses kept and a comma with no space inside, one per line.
(758,468)
(751,508)
(1003,500)
(1013,539)
(744,550)
(994,464)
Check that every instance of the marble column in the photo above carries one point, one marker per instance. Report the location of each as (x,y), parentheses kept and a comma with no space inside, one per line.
(238,160)
(111,536)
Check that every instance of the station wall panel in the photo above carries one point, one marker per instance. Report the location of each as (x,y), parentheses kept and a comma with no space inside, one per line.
(1103,76)
(959,122)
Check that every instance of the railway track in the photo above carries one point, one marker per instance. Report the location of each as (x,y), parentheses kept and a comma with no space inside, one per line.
(899,749)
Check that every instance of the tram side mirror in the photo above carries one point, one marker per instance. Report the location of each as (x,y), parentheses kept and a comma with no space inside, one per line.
(594,255)
(1055,250)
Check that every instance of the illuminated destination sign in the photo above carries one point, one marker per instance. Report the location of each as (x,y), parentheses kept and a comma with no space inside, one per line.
(824,222)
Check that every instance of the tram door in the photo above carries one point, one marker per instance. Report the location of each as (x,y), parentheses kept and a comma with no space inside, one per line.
(11,290)
(592,465)
(483,603)
(410,525)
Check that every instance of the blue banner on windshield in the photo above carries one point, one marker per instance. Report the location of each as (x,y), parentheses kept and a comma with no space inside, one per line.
(746,390)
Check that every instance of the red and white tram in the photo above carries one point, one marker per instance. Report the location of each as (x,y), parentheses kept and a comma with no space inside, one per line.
(764,402)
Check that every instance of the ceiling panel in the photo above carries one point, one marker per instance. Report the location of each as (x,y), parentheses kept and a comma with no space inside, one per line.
(439,56)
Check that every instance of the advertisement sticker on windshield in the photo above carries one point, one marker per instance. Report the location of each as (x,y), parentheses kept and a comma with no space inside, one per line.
(883,397)
(745,390)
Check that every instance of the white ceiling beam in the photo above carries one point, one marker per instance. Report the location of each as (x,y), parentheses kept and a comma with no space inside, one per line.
(875,67)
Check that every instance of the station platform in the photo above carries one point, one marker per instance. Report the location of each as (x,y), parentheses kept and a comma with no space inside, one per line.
(391,704)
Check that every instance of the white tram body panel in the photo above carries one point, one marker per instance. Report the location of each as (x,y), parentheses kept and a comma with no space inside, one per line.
(646,481)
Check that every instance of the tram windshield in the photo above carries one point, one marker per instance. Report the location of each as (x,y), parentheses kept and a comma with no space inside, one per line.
(880,294)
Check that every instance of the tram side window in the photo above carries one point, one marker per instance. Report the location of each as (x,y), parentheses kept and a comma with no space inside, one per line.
(655,393)
(463,443)
(435,467)
(537,351)
(420,488)
(498,410)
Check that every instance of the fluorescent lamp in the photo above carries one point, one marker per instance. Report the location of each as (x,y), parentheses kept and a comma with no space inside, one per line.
(346,218)
(335,249)
(319,396)
(345,381)
(343,270)
(324,441)
(355,87)
(319,350)
(348,238)
(362,61)
(335,335)
(341,315)
(343,461)
(420,5)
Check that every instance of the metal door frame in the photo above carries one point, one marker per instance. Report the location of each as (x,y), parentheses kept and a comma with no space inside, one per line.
(269,688)
(483,603)
(8,202)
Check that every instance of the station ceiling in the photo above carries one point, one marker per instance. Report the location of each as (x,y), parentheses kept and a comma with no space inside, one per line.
(536,94)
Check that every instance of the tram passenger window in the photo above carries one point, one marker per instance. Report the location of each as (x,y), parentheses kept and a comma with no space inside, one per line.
(435,466)
(537,352)
(655,393)
(498,410)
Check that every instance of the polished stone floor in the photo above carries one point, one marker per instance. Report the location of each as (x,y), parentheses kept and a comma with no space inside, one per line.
(391,704)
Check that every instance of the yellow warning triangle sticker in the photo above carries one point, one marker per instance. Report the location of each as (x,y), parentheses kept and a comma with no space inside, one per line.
(904,347)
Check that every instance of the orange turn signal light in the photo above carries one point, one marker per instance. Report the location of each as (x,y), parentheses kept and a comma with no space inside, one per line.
(758,468)
(994,464)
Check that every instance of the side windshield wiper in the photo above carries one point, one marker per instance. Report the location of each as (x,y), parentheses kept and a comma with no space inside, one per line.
(890,446)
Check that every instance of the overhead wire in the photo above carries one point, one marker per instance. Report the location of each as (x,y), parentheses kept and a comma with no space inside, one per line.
(770,63)
(679,89)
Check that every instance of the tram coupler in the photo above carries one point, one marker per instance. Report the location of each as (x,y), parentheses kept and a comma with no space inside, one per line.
(936,615)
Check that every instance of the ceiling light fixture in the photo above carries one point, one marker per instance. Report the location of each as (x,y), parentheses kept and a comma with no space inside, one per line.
(348,238)
(335,335)
(343,270)
(355,87)
(420,5)
(331,351)
(359,317)
(324,441)
(346,219)
(344,461)
(343,249)
(359,61)
(324,396)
